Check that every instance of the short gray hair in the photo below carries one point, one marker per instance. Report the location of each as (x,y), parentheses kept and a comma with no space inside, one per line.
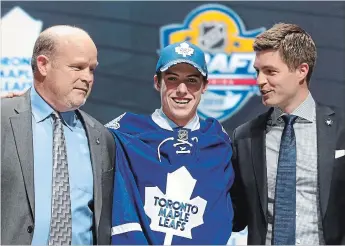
(44,45)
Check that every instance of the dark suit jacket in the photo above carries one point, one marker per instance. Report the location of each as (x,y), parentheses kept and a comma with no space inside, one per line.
(249,192)
(17,174)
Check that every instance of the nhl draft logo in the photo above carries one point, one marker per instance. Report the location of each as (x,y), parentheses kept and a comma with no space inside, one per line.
(175,213)
(229,55)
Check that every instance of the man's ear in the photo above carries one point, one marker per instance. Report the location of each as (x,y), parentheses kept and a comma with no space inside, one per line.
(205,86)
(302,71)
(156,84)
(43,64)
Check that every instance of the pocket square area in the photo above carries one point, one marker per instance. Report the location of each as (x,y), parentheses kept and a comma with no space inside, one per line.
(339,153)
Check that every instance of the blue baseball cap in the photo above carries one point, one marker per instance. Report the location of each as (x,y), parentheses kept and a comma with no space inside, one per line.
(182,52)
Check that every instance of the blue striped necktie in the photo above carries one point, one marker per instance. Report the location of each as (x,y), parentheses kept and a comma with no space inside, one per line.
(284,225)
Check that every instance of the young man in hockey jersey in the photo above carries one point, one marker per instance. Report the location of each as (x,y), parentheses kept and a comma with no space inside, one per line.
(173,170)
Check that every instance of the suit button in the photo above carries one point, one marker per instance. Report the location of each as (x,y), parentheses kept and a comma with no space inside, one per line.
(30,229)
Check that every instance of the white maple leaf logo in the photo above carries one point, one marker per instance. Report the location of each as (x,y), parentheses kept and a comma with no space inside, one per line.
(184,50)
(174,213)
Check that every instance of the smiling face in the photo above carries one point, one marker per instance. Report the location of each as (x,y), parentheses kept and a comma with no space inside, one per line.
(280,86)
(69,72)
(180,87)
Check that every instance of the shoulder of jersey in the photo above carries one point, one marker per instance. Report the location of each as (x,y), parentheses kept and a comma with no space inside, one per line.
(131,123)
(213,126)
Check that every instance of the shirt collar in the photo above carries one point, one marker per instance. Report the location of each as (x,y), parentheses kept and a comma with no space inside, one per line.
(305,111)
(42,110)
(164,122)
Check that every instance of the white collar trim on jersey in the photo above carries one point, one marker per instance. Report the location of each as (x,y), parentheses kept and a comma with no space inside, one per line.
(164,122)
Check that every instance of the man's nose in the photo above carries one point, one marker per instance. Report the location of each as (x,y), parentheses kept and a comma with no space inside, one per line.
(182,88)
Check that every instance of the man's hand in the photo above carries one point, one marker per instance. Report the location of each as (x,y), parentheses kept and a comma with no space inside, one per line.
(13,94)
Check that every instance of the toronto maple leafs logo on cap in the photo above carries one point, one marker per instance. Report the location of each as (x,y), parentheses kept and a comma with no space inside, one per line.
(184,49)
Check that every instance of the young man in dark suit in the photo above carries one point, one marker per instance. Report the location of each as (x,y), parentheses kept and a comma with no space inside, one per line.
(289,162)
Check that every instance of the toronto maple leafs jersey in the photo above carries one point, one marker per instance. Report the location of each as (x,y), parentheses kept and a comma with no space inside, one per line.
(172,185)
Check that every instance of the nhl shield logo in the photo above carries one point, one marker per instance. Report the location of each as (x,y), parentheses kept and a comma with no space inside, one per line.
(183,134)
(229,55)
(212,36)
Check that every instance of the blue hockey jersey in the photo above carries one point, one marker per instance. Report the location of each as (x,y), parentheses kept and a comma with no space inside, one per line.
(171,186)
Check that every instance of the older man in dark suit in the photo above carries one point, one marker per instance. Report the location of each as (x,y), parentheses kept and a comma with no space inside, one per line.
(56,160)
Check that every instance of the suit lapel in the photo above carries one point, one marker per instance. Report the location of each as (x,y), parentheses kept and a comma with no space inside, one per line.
(259,160)
(95,144)
(22,130)
(326,135)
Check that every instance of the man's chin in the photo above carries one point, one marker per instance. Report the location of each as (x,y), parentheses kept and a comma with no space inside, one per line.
(267,103)
(77,104)
(180,117)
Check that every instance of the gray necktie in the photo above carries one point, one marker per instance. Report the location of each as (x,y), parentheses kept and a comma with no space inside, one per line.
(61,218)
